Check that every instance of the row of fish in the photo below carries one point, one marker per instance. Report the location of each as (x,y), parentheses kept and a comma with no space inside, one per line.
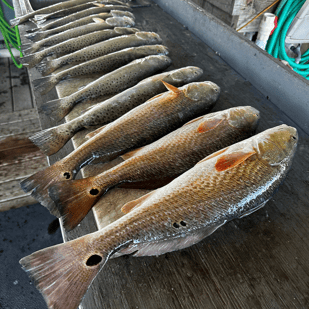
(208,168)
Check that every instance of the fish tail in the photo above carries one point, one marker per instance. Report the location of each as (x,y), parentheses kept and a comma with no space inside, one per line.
(32,30)
(45,84)
(36,36)
(64,272)
(39,182)
(26,49)
(16,21)
(53,139)
(56,109)
(41,21)
(31,60)
(46,67)
(74,199)
(41,17)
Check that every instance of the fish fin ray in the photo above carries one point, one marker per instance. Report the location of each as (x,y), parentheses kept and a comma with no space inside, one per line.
(250,211)
(55,109)
(60,272)
(53,139)
(232,160)
(73,200)
(208,125)
(45,68)
(171,87)
(126,208)
(45,84)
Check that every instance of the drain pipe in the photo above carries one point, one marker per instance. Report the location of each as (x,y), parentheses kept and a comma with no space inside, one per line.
(266,27)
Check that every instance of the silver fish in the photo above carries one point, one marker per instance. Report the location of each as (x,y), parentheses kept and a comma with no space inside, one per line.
(66,12)
(53,139)
(229,184)
(96,50)
(73,45)
(102,65)
(111,83)
(98,18)
(91,33)
(91,11)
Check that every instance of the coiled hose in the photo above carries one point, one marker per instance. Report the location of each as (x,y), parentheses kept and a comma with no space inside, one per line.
(286,12)
(11,35)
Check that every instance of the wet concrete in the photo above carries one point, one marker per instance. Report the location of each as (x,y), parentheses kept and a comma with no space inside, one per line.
(22,232)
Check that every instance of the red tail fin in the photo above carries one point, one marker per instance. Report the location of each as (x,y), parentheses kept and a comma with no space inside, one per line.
(64,272)
(74,199)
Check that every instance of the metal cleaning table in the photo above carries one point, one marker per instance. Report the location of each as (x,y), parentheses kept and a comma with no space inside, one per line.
(260,261)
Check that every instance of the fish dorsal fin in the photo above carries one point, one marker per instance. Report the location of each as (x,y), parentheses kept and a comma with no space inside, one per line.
(95,132)
(98,4)
(171,87)
(231,160)
(126,208)
(217,153)
(98,20)
(130,154)
(194,120)
(208,125)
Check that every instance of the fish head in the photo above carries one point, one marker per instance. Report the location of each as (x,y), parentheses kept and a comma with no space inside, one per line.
(186,75)
(277,145)
(151,37)
(202,91)
(116,13)
(124,30)
(243,117)
(151,50)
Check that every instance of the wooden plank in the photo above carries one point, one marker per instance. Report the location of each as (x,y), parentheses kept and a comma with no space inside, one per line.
(20,88)
(19,201)
(6,103)
(30,125)
(20,116)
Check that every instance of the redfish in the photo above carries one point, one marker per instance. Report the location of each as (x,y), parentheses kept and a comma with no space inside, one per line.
(109,84)
(141,126)
(229,184)
(53,139)
(162,160)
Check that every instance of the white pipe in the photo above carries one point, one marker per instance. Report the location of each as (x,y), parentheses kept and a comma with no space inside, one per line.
(266,26)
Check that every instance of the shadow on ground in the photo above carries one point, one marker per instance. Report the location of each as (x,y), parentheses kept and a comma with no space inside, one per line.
(23,231)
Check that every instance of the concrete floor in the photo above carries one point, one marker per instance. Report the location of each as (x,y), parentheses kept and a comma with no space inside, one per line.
(22,232)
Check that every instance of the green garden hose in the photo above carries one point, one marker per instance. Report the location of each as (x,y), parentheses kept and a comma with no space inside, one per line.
(286,12)
(10,35)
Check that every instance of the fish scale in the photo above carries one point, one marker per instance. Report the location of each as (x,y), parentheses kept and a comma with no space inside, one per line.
(166,158)
(142,125)
(176,216)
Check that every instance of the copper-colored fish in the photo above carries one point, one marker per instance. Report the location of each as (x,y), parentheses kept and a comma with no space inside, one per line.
(162,160)
(141,126)
(228,184)
(53,139)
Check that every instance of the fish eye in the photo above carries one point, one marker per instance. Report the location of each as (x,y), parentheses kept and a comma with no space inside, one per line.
(67,175)
(294,137)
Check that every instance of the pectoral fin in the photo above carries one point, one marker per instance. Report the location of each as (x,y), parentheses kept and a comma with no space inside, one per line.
(133,204)
(208,125)
(194,120)
(231,160)
(217,153)
(171,87)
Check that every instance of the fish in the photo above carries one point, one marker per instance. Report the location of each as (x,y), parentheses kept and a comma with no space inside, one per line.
(92,33)
(109,84)
(46,10)
(102,65)
(94,51)
(53,139)
(139,127)
(160,161)
(117,20)
(73,45)
(66,12)
(100,8)
(231,183)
